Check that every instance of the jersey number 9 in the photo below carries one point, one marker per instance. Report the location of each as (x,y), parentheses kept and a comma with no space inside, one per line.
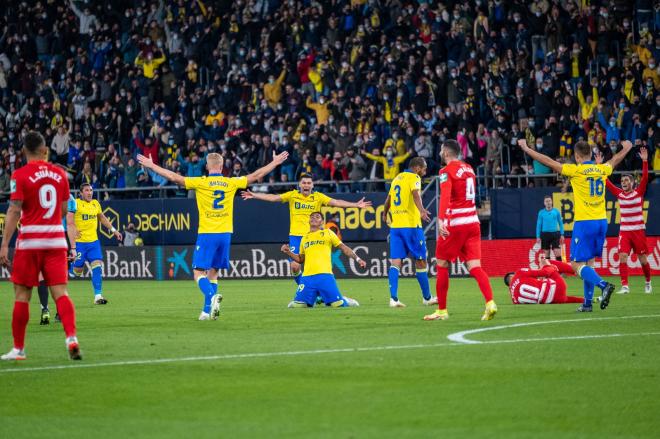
(48,199)
(219,198)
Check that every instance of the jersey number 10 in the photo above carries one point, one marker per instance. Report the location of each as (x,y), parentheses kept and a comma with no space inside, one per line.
(596,186)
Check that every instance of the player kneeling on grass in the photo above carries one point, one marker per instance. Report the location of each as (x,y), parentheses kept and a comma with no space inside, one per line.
(542,286)
(317,278)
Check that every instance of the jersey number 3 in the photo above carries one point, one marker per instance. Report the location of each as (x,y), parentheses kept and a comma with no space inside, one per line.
(397,193)
(48,199)
(219,198)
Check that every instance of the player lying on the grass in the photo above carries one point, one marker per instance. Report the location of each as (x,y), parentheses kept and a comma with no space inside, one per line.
(404,203)
(587,179)
(215,204)
(39,194)
(632,231)
(528,286)
(302,202)
(316,257)
(460,232)
(87,213)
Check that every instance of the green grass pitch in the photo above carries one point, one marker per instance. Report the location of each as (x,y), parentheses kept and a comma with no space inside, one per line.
(263,370)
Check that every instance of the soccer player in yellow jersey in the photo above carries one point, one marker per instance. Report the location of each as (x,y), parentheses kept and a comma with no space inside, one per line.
(302,202)
(317,279)
(87,215)
(588,182)
(215,203)
(404,203)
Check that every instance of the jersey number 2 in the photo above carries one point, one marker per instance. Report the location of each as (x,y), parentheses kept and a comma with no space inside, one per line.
(219,198)
(48,199)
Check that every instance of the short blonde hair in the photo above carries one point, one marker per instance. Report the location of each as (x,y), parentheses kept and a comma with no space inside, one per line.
(214,159)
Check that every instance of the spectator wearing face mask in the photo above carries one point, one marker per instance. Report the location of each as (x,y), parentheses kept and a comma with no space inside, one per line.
(588,105)
(391,162)
(214,116)
(320,108)
(273,89)
(149,64)
(612,130)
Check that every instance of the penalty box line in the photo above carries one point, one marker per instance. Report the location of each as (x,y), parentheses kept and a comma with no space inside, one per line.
(453,342)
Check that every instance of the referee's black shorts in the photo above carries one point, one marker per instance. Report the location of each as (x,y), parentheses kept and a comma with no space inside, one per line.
(550,240)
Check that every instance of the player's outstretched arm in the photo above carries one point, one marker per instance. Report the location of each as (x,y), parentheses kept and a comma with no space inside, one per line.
(619,156)
(11,222)
(287,251)
(249,195)
(148,163)
(644,155)
(260,173)
(361,204)
(106,222)
(351,254)
(541,158)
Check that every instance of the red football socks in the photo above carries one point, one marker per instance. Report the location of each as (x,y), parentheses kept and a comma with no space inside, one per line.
(563,267)
(19,322)
(646,268)
(481,277)
(67,314)
(623,272)
(441,286)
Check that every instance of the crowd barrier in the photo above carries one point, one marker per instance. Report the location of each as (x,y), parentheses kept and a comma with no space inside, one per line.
(265,261)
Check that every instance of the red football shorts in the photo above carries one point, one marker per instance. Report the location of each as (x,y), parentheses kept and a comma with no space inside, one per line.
(633,240)
(463,242)
(29,263)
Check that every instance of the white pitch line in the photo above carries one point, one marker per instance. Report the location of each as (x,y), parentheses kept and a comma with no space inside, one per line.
(459,337)
(324,351)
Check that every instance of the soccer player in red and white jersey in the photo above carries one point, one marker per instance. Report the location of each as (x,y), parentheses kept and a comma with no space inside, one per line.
(39,195)
(460,233)
(632,232)
(543,286)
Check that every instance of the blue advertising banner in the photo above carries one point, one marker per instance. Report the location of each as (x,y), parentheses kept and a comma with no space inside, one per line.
(174,221)
(514,211)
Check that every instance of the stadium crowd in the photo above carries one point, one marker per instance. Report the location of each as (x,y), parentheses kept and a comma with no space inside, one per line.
(351,89)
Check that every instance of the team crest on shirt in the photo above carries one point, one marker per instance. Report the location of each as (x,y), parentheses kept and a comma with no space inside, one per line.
(322,234)
(443,177)
(12,186)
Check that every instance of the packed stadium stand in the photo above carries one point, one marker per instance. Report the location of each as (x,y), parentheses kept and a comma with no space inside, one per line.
(351,89)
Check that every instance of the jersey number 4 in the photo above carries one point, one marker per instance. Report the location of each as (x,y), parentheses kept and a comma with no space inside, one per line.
(219,198)
(48,199)
(469,189)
